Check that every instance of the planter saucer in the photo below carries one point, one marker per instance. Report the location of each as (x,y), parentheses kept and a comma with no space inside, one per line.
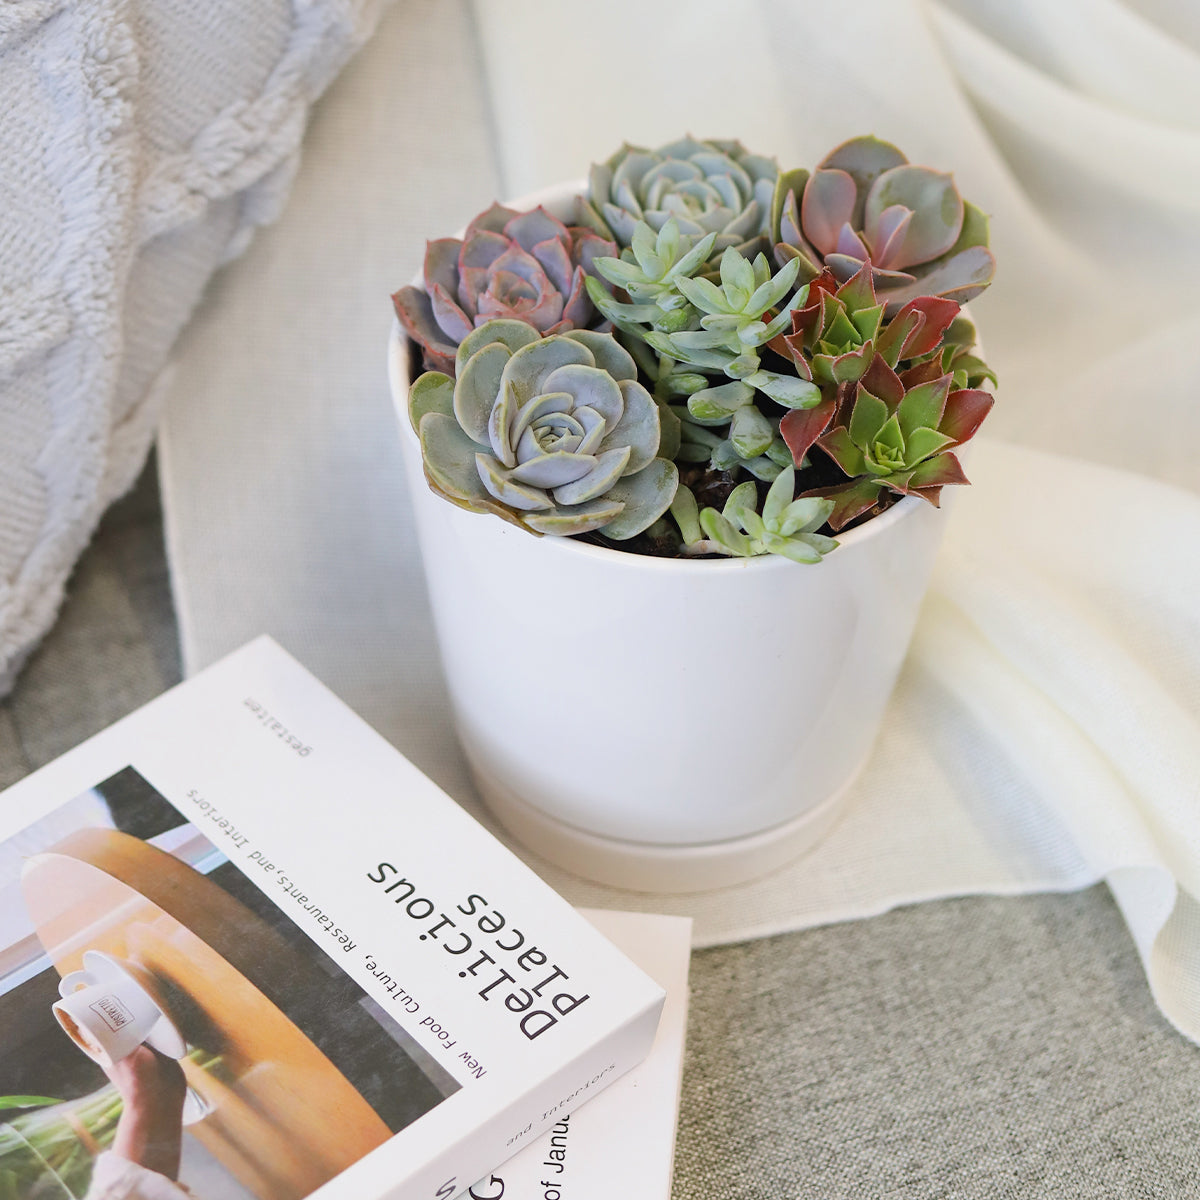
(666,870)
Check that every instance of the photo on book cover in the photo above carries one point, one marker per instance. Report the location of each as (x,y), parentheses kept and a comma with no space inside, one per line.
(155,1002)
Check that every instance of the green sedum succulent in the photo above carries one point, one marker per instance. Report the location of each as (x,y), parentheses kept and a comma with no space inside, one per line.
(650,271)
(713,187)
(554,434)
(786,526)
(731,335)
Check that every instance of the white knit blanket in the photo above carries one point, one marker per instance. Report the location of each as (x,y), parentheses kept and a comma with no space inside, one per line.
(141,142)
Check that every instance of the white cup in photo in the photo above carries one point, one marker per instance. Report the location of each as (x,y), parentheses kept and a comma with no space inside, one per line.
(108,1014)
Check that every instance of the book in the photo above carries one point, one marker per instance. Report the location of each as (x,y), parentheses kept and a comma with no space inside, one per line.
(621,1143)
(241,919)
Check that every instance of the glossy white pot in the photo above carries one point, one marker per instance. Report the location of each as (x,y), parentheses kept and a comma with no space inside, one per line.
(664,725)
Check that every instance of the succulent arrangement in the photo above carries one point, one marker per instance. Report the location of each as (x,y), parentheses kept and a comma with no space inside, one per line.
(716,358)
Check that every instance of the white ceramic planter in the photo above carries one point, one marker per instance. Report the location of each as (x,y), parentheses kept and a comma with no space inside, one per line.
(664,725)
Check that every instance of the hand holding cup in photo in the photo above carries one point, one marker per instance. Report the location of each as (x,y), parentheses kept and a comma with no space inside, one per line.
(106,1018)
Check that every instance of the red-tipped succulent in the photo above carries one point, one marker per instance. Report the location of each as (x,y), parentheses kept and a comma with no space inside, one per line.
(893,431)
(523,266)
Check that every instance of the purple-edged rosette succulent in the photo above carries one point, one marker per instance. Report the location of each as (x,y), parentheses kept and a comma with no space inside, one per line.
(866,203)
(519,266)
(554,434)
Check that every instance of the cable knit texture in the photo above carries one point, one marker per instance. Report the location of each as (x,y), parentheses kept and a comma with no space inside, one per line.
(143,142)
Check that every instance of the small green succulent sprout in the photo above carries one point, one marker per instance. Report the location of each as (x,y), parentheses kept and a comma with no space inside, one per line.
(786,526)
(649,271)
(554,434)
(732,332)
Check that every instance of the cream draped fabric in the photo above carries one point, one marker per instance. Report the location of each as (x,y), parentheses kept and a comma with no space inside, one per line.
(1046,729)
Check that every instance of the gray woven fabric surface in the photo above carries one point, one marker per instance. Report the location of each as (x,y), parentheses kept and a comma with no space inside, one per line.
(978,1048)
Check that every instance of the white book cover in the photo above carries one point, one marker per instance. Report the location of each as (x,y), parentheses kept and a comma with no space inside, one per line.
(246,946)
(621,1144)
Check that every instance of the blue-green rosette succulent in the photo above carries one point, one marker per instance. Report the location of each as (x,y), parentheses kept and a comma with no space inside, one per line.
(554,434)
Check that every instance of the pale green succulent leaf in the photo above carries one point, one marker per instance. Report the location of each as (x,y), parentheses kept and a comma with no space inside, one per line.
(742,366)
(477,387)
(737,276)
(693,259)
(686,512)
(623,316)
(618,271)
(569,521)
(804,515)
(588,386)
(449,458)
(704,294)
(755,528)
(513,334)
(769,294)
(779,496)
(607,468)
(682,383)
(780,454)
(797,549)
(750,432)
(720,530)
(753,333)
(787,390)
(719,403)
(529,367)
(646,496)
(609,354)
(431,392)
(762,467)
(666,246)
(776,325)
(639,426)
(670,431)
(497,479)
(713,335)
(743,499)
